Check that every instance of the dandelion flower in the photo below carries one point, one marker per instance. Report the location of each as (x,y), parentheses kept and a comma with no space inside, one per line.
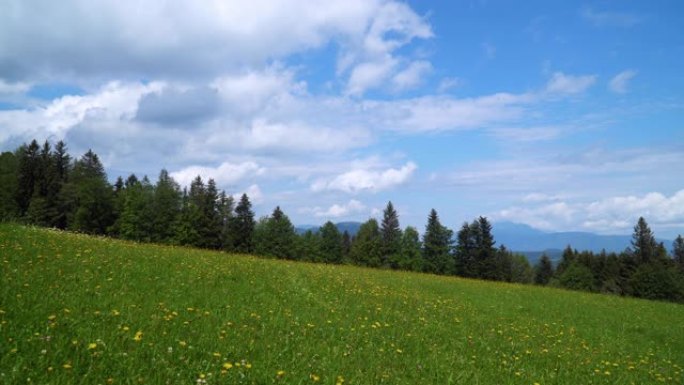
(138,336)
(92,346)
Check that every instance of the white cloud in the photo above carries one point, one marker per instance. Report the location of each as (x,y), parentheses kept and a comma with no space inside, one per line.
(82,39)
(531,134)
(412,76)
(616,214)
(619,83)
(359,180)
(253,193)
(13,88)
(435,113)
(369,75)
(224,175)
(569,84)
(340,210)
(609,18)
(448,83)
(115,101)
(371,59)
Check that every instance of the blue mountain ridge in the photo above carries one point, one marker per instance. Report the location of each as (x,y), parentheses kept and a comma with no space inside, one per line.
(531,242)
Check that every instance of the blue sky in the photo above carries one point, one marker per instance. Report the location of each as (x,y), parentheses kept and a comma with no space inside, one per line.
(561,115)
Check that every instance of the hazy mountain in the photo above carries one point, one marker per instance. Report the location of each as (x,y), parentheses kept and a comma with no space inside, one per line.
(523,238)
(351,227)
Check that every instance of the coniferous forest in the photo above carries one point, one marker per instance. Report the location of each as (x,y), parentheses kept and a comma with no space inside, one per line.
(45,186)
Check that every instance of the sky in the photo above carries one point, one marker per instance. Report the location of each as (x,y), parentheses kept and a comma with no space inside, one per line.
(566,116)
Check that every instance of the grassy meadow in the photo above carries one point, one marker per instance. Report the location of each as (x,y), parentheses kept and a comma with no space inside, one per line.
(79,309)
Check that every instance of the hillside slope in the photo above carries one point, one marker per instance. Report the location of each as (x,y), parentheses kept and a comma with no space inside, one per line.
(93,310)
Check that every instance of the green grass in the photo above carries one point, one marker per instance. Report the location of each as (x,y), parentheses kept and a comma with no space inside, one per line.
(71,306)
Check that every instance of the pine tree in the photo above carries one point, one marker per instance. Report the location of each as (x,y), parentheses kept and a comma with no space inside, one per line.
(391,236)
(466,264)
(185,231)
(88,196)
(331,243)
(226,205)
(643,242)
(166,206)
(411,253)
(437,246)
(136,221)
(275,236)
(543,271)
(488,266)
(366,249)
(9,166)
(678,251)
(29,159)
(242,227)
(346,244)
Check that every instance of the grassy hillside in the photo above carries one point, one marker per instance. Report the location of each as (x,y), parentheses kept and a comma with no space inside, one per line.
(76,309)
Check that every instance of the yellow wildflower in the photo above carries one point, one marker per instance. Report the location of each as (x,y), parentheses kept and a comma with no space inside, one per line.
(138,336)
(92,346)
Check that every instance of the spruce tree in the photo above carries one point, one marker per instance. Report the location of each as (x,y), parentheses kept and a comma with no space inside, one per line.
(242,227)
(366,249)
(88,196)
(437,246)
(9,166)
(678,251)
(29,158)
(275,236)
(644,244)
(411,253)
(331,243)
(166,206)
(391,236)
(543,271)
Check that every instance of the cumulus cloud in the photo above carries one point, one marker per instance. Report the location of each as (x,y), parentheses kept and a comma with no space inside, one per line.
(224,175)
(616,214)
(561,83)
(619,82)
(253,193)
(115,101)
(359,180)
(412,76)
(340,210)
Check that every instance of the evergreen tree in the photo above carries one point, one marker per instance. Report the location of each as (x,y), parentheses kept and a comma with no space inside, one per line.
(210,226)
(391,236)
(678,251)
(366,249)
(275,236)
(225,209)
(88,196)
(346,245)
(242,226)
(437,246)
(411,251)
(331,243)
(543,271)
(488,264)
(61,162)
(466,247)
(9,166)
(308,247)
(29,160)
(521,271)
(137,217)
(644,244)
(166,207)
(185,231)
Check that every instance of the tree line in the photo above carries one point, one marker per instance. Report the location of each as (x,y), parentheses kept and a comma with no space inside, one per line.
(44,186)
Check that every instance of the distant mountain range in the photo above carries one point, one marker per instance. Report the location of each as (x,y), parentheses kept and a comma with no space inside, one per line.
(531,242)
